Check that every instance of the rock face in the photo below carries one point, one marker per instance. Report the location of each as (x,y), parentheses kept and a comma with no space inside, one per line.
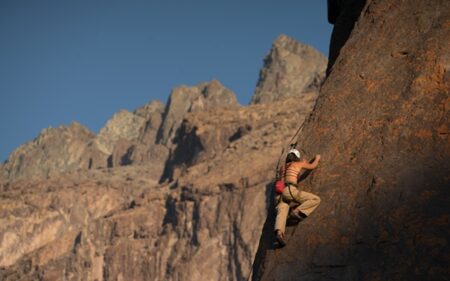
(382,131)
(343,14)
(142,148)
(219,203)
(205,135)
(290,69)
(70,225)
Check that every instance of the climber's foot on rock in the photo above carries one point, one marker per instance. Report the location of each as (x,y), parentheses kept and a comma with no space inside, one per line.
(295,217)
(280,238)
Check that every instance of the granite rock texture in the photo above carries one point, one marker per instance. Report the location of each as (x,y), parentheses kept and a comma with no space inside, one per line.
(343,14)
(381,127)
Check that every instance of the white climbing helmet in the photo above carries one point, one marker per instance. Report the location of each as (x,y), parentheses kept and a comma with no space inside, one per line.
(295,152)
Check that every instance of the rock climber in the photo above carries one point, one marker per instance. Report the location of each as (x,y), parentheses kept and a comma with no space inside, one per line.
(296,203)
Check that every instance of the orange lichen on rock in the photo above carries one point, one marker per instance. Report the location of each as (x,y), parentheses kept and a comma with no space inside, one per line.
(424,134)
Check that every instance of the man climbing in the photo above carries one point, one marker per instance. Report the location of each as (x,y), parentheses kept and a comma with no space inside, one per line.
(300,203)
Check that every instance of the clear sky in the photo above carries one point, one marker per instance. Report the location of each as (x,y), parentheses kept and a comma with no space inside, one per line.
(84,60)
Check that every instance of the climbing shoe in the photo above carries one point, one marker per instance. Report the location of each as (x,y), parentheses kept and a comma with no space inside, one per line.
(280,238)
(294,218)
(296,215)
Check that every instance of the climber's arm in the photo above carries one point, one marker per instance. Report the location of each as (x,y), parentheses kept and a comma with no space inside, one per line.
(313,165)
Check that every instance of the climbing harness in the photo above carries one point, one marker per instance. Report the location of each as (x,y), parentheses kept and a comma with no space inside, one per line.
(293,198)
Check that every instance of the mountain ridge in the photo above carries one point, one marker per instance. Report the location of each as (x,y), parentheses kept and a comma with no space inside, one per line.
(123,220)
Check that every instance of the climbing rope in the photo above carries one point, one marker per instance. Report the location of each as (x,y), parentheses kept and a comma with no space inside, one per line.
(291,145)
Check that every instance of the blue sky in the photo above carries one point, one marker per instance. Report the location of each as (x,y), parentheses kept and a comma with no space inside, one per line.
(84,60)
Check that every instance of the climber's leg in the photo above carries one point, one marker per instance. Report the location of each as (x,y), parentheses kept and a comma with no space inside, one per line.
(282,212)
(308,203)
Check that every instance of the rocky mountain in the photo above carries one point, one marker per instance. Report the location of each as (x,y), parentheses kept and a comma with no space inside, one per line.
(381,126)
(215,160)
(74,147)
(54,150)
(60,228)
(128,137)
(183,99)
(124,125)
(290,69)
(205,135)
(138,146)
(218,204)
(184,191)
(117,223)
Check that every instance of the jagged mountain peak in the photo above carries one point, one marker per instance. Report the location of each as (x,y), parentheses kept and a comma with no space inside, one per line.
(290,69)
(203,96)
(285,42)
(155,106)
(183,99)
(53,150)
(123,125)
(128,137)
(72,128)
